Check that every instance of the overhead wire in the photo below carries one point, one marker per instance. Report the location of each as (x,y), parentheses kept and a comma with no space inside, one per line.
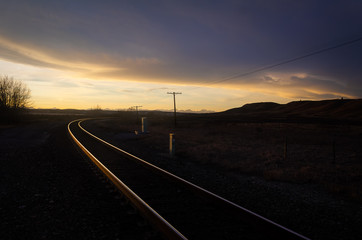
(238,75)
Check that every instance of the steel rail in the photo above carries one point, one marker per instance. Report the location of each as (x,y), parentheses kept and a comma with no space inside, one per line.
(149,213)
(273,228)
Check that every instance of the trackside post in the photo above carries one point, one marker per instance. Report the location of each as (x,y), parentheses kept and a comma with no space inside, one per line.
(172,144)
(144,125)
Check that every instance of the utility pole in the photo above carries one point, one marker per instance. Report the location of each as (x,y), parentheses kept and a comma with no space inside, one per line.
(136,110)
(174,103)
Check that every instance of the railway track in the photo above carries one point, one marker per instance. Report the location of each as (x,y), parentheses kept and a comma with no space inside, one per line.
(177,208)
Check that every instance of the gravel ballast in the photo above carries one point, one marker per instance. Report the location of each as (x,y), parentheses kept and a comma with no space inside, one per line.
(48,191)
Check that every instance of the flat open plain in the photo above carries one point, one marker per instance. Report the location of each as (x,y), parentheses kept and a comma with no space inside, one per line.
(47,189)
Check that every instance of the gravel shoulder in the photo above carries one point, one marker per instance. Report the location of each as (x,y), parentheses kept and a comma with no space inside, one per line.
(48,191)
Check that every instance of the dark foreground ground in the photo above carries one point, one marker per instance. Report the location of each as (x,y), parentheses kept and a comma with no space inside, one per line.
(48,191)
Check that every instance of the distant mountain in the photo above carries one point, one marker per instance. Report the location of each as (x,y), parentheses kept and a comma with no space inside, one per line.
(337,109)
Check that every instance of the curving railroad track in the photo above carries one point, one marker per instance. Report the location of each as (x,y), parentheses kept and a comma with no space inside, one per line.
(177,208)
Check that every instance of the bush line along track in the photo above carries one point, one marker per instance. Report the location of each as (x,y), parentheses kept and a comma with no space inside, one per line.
(192,210)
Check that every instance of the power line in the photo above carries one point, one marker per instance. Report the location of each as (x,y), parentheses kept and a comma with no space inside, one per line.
(174,103)
(238,75)
(136,111)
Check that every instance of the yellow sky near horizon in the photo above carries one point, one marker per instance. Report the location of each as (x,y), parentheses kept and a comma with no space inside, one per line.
(64,89)
(53,88)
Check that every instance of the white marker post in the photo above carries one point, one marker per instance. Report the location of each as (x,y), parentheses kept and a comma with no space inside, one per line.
(144,125)
(172,144)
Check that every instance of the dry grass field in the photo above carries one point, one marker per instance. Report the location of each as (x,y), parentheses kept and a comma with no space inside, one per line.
(303,171)
(309,191)
(293,149)
(328,155)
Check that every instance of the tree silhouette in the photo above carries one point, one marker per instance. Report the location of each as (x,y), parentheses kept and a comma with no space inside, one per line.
(14,94)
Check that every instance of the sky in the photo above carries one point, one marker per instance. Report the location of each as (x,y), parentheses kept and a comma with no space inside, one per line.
(117,54)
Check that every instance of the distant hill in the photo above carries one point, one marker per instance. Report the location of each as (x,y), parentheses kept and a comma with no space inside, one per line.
(337,109)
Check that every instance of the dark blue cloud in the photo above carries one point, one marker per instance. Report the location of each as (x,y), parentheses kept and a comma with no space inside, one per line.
(191,40)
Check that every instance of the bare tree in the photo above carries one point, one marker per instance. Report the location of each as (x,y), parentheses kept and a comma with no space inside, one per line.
(97,110)
(14,94)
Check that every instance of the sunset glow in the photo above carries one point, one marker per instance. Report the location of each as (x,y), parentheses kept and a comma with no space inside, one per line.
(79,54)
